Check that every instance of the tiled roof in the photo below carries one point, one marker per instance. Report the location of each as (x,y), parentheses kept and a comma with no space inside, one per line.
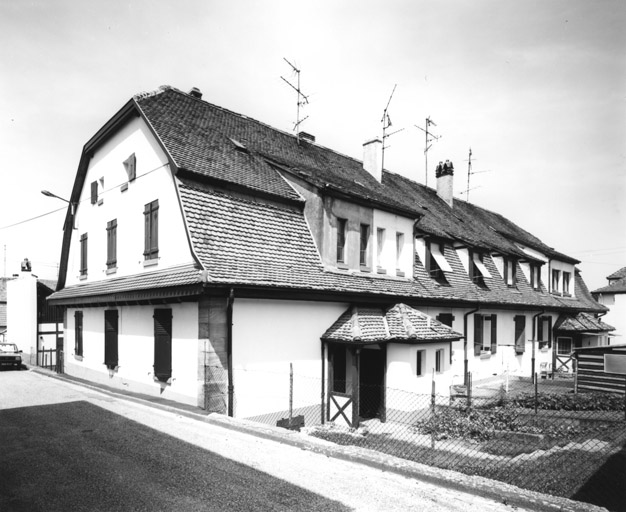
(138,285)
(582,322)
(617,283)
(200,136)
(399,323)
(620,274)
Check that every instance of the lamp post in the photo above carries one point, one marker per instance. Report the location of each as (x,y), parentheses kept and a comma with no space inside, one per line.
(72,205)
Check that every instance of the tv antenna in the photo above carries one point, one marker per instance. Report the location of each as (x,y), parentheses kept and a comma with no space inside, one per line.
(469,173)
(430,137)
(386,121)
(302,99)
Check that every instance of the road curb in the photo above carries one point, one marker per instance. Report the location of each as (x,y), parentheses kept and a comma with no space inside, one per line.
(498,491)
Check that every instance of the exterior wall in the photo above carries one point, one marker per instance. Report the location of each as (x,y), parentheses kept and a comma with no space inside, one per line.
(22,315)
(563,267)
(616,317)
(136,351)
(393,224)
(268,335)
(355,215)
(153,180)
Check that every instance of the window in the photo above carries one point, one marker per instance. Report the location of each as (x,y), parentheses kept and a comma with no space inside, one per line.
(535,273)
(94,192)
(83,254)
(477,269)
(544,331)
(485,334)
(436,262)
(520,334)
(163,344)
(151,221)
(563,346)
(341,240)
(365,236)
(78,333)
(130,164)
(446,318)
(110,338)
(566,280)
(380,245)
(510,277)
(439,361)
(112,243)
(399,249)
(556,277)
(419,362)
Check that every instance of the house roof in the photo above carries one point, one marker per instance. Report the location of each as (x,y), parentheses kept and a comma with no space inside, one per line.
(581,322)
(620,274)
(159,284)
(617,283)
(399,323)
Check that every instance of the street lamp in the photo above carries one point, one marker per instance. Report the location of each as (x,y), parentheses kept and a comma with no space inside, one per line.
(72,205)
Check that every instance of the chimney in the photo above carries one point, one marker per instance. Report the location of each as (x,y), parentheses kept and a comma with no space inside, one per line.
(445,181)
(306,136)
(195,93)
(373,158)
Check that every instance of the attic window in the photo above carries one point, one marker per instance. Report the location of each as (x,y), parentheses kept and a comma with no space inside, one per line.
(239,146)
(478,271)
(130,164)
(436,263)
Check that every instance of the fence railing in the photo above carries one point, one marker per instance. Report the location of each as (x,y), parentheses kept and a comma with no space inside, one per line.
(51,359)
(536,434)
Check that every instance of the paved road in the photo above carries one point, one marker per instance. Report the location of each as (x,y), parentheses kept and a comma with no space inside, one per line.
(65,447)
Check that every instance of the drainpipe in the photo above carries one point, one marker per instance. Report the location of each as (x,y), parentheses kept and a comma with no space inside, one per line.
(534,341)
(229,350)
(465,361)
(323,381)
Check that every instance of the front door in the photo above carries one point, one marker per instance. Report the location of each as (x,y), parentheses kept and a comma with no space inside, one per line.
(372,383)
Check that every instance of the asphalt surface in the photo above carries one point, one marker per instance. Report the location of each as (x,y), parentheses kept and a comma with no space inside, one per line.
(70,447)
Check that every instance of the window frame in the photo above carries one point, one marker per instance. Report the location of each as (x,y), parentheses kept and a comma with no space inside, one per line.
(479,334)
(399,251)
(567,278)
(555,280)
(342,225)
(380,246)
(151,230)
(420,361)
(520,333)
(510,272)
(436,260)
(364,242)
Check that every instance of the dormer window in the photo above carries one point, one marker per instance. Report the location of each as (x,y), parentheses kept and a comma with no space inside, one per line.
(380,247)
(510,277)
(477,269)
(341,240)
(436,263)
(535,276)
(364,244)
(556,278)
(566,281)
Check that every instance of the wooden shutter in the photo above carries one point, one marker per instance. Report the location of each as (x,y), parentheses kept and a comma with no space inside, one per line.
(540,328)
(130,164)
(83,254)
(163,344)
(478,334)
(549,319)
(494,334)
(94,192)
(78,333)
(520,334)
(151,231)
(110,338)
(112,243)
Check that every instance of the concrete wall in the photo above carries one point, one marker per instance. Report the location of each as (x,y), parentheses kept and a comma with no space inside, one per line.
(616,317)
(154,181)
(136,351)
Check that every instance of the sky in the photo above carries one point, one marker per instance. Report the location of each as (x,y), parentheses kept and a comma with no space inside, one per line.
(536,89)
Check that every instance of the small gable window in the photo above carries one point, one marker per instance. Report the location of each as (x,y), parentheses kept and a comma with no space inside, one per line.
(535,276)
(510,277)
(436,263)
(556,279)
(477,269)
(130,164)
(566,281)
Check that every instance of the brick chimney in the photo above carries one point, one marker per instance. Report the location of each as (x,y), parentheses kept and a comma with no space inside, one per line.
(373,158)
(445,181)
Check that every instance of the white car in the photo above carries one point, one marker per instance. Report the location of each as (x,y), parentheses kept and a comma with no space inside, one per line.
(10,356)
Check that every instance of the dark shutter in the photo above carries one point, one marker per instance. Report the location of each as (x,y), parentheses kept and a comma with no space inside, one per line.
(163,344)
(130,164)
(540,328)
(83,254)
(549,337)
(151,230)
(94,192)
(494,334)
(520,334)
(110,338)
(78,333)
(478,334)
(112,243)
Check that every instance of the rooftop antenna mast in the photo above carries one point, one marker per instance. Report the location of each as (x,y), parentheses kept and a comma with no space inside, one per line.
(386,120)
(469,173)
(427,145)
(302,99)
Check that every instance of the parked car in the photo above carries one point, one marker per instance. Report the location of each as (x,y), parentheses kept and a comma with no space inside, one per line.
(10,356)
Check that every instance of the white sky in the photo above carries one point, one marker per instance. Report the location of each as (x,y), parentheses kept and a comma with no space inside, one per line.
(537,89)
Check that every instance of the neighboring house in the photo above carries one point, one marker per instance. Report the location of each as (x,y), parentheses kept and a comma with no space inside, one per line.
(602,368)
(613,296)
(3,307)
(205,251)
(34,325)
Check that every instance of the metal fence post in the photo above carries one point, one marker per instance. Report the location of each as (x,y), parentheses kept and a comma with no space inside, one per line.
(432,407)
(469,389)
(536,394)
(290,393)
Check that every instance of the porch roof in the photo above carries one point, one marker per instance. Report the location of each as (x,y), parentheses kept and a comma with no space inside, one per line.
(400,323)
(582,322)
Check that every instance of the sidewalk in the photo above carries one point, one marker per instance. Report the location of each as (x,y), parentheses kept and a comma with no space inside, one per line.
(498,491)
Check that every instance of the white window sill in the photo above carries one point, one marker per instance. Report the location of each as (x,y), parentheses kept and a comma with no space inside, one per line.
(151,262)
(111,270)
(82,277)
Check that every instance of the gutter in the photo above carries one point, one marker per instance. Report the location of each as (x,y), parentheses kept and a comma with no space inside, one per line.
(465,360)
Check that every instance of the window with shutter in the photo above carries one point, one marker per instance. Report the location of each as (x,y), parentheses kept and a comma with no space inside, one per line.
(520,334)
(78,333)
(130,164)
(494,334)
(151,221)
(94,192)
(112,243)
(364,245)
(341,240)
(163,344)
(110,338)
(83,254)
(478,334)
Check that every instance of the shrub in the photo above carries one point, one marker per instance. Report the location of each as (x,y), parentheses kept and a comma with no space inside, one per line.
(570,402)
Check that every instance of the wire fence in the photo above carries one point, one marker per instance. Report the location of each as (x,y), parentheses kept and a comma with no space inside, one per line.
(537,434)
